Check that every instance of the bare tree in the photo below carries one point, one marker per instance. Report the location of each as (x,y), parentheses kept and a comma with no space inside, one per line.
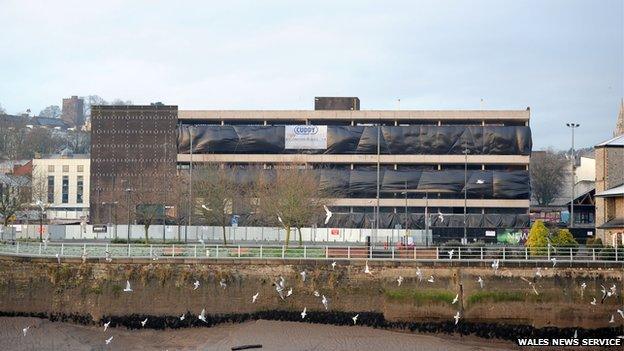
(289,197)
(548,170)
(10,203)
(2,110)
(52,111)
(216,192)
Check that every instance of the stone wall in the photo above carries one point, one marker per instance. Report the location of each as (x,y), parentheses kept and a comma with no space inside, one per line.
(161,288)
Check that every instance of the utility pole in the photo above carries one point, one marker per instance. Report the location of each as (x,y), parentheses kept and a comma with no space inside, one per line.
(572,126)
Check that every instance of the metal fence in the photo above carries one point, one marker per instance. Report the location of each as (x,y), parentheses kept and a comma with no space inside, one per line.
(551,255)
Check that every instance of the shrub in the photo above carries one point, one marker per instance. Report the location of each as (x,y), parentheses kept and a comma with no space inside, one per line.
(594,242)
(564,238)
(495,296)
(538,239)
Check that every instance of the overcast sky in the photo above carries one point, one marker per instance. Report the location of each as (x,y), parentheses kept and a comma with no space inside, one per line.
(564,59)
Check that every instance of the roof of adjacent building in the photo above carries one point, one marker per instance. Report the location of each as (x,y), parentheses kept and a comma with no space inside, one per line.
(49,122)
(613,192)
(614,223)
(618,141)
(16,181)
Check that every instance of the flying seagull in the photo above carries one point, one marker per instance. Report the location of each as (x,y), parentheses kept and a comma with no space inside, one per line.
(554,261)
(583,286)
(333,265)
(108,341)
(440,216)
(316,293)
(106,325)
(456,317)
(223,284)
(25,330)
(621,313)
(328,214)
(431,280)
(605,294)
(183,316)
(289,292)
(367,270)
(303,275)
(419,274)
(355,318)
(480,181)
(280,219)
(202,316)
(255,297)
(128,288)
(303,314)
(495,265)
(324,302)
(143,322)
(531,284)
(612,320)
(196,285)
(450,253)
(108,256)
(455,299)
(400,280)
(593,302)
(480,281)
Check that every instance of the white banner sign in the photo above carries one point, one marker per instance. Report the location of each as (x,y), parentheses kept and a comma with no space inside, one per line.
(305,137)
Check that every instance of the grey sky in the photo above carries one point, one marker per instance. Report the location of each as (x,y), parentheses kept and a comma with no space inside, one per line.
(564,58)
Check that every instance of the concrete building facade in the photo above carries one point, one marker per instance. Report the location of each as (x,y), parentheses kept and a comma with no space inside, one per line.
(61,184)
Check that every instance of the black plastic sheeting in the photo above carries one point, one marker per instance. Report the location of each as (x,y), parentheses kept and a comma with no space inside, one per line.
(363,183)
(415,220)
(396,140)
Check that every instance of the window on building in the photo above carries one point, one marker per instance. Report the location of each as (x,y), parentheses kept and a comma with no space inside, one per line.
(51,189)
(79,187)
(80,168)
(65,190)
(65,168)
(50,168)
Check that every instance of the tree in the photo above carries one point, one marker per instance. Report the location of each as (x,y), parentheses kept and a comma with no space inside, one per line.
(538,238)
(10,203)
(563,238)
(289,197)
(39,192)
(52,111)
(548,171)
(79,142)
(2,110)
(216,191)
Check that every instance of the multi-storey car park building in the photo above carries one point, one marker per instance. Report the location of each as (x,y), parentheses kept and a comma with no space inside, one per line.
(465,169)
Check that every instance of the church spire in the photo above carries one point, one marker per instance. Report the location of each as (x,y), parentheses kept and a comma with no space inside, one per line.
(619,126)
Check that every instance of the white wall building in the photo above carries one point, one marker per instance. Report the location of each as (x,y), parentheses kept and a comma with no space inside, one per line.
(61,184)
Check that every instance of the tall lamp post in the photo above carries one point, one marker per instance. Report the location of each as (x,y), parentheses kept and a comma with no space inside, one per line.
(465,239)
(572,126)
(128,190)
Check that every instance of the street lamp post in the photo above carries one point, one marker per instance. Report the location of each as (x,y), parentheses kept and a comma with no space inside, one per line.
(572,126)
(128,190)
(465,239)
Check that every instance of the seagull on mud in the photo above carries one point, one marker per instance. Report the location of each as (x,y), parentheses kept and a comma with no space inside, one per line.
(419,274)
(289,292)
(25,330)
(367,270)
(605,293)
(324,302)
(495,265)
(450,253)
(583,286)
(613,289)
(333,265)
(328,214)
(593,302)
(108,341)
(355,318)
(480,281)
(58,258)
(222,284)
(196,285)
(202,316)
(144,322)
(128,288)
(455,299)
(575,334)
(400,280)
(303,275)
(183,316)
(621,313)
(109,258)
(303,314)
(431,280)
(316,293)
(554,261)
(612,320)
(106,325)
(255,297)
(456,316)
